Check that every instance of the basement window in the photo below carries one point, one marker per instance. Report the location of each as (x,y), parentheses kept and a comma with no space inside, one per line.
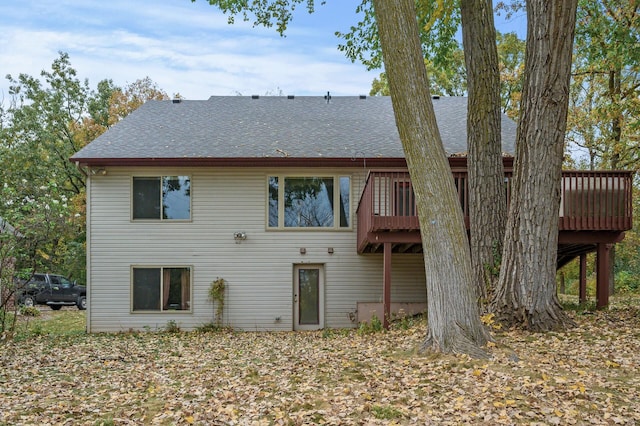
(161,289)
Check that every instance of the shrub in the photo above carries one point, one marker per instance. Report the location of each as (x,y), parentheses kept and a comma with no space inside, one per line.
(172,327)
(216,295)
(627,282)
(373,326)
(29,311)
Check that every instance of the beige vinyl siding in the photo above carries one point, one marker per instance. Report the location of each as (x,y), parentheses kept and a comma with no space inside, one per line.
(258,271)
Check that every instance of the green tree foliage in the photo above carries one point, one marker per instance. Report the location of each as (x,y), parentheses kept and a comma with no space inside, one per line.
(438,20)
(604,116)
(263,13)
(43,193)
(41,134)
(511,63)
(448,81)
(605,94)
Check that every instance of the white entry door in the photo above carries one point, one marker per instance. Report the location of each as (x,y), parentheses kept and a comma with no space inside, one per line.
(308,297)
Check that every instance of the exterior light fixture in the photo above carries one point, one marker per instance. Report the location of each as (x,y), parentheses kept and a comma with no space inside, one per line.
(239,236)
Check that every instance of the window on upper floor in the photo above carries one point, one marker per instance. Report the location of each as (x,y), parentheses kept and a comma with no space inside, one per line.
(309,202)
(161,198)
(161,288)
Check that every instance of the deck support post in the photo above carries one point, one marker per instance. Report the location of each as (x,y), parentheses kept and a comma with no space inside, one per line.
(602,275)
(386,300)
(583,279)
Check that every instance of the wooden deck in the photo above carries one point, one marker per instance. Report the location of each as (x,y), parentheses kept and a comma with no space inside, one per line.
(595,208)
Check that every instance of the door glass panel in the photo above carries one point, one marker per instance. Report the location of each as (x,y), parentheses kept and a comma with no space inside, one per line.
(309,291)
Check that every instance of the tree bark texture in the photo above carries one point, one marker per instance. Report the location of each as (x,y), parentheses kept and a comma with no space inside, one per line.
(454,324)
(526,290)
(487,192)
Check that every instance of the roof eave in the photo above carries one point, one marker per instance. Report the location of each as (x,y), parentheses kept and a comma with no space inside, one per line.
(455,162)
(242,162)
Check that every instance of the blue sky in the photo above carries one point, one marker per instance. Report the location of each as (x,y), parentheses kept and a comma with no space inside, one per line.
(185,47)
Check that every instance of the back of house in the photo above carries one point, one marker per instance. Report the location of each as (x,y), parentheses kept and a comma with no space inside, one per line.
(266,194)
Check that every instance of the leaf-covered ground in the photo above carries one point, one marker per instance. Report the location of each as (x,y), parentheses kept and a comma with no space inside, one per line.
(589,375)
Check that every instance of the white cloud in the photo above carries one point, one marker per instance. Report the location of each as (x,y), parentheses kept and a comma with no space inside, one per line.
(184,47)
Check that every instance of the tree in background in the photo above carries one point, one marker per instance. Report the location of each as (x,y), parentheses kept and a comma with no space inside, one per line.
(604,115)
(605,94)
(444,58)
(45,124)
(449,81)
(39,138)
(452,79)
(511,63)
(438,23)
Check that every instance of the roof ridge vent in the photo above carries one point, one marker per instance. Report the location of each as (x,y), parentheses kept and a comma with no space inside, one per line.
(176,100)
(363,96)
(255,96)
(291,97)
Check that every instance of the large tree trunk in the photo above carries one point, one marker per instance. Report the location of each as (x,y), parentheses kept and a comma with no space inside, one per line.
(487,194)
(526,290)
(453,316)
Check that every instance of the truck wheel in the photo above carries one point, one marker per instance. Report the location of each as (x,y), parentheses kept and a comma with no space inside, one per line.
(56,307)
(28,301)
(82,303)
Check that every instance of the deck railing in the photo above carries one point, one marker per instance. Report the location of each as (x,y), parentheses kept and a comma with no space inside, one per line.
(596,200)
(591,201)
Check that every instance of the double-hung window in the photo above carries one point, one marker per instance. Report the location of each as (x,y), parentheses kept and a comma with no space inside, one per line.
(161,288)
(309,202)
(161,198)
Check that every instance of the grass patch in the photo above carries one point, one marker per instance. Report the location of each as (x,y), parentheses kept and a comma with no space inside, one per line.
(55,323)
(386,412)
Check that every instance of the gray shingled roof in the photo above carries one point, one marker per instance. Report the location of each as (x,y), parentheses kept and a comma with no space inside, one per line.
(302,127)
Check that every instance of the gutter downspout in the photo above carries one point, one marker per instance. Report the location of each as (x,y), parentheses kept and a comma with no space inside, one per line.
(81,169)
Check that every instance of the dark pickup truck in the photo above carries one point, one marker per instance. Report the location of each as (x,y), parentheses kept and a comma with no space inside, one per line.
(55,291)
